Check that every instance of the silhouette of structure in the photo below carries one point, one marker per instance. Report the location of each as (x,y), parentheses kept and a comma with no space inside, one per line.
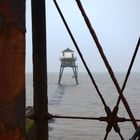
(68,60)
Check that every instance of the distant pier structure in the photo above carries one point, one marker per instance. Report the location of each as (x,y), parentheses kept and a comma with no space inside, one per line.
(68,60)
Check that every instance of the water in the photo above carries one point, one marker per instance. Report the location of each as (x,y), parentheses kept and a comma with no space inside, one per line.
(69,99)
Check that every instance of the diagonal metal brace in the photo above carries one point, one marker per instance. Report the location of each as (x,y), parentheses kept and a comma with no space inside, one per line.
(94,36)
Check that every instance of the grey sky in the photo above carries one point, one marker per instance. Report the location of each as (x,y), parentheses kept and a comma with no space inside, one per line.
(115,22)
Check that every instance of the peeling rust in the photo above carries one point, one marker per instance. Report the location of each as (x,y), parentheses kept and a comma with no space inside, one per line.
(12,72)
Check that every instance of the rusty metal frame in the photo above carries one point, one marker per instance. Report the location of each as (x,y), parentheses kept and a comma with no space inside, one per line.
(112,119)
(41,115)
(12,69)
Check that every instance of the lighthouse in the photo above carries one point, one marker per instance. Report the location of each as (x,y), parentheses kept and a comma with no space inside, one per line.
(68,60)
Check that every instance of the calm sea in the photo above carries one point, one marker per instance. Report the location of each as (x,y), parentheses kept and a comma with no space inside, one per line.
(69,99)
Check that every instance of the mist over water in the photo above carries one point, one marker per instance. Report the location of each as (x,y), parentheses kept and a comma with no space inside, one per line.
(69,99)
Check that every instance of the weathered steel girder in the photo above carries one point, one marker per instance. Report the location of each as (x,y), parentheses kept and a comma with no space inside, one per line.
(41,114)
(12,69)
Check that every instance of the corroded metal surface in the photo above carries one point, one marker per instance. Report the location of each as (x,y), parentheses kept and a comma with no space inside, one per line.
(12,69)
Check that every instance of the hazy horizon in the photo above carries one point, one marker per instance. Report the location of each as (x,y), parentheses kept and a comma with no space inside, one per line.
(116,24)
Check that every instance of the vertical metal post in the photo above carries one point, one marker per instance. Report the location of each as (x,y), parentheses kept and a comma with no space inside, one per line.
(12,70)
(40,69)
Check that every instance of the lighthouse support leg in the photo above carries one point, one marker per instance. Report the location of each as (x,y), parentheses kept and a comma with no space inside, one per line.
(60,74)
(75,74)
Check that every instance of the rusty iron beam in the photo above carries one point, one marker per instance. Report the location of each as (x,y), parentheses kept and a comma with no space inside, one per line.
(39,56)
(39,69)
(110,71)
(12,70)
(129,69)
(92,118)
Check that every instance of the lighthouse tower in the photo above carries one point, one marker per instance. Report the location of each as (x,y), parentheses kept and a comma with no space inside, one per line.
(68,60)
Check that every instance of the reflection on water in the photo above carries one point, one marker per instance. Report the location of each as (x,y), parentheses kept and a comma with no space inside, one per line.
(57,96)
